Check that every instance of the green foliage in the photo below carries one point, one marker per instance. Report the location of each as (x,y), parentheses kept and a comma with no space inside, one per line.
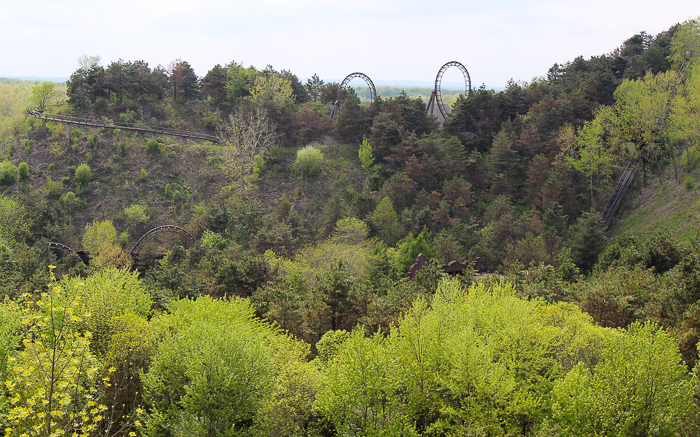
(412,247)
(366,158)
(8,173)
(136,214)
(107,294)
(688,183)
(587,240)
(144,175)
(72,203)
(15,220)
(54,382)
(153,146)
(214,366)
(124,238)
(53,188)
(387,221)
(23,171)
(83,174)
(168,190)
(640,388)
(43,94)
(309,162)
(92,140)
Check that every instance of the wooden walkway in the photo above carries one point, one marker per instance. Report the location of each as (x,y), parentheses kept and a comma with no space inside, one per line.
(95,124)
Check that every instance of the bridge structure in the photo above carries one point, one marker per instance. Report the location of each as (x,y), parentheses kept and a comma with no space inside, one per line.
(97,124)
(345,82)
(436,106)
(84,256)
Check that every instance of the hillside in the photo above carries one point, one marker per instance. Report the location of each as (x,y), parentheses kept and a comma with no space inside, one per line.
(662,204)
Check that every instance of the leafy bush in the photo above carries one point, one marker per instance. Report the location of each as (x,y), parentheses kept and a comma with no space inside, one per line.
(83,174)
(72,203)
(168,190)
(144,174)
(23,171)
(688,183)
(309,162)
(153,146)
(8,173)
(53,188)
(690,160)
(92,140)
(136,214)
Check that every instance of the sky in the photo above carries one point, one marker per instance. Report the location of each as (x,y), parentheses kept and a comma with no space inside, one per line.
(395,41)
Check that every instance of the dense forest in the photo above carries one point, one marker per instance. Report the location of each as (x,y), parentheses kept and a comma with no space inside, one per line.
(292,313)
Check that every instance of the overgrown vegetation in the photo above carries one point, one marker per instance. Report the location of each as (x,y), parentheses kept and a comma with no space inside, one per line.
(291,314)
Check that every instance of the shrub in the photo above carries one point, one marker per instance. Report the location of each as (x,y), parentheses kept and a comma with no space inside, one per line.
(124,238)
(54,188)
(690,160)
(92,140)
(153,146)
(72,203)
(51,167)
(168,190)
(8,173)
(688,183)
(309,162)
(144,174)
(136,214)
(23,171)
(83,174)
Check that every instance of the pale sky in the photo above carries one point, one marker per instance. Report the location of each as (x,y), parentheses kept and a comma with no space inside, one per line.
(388,40)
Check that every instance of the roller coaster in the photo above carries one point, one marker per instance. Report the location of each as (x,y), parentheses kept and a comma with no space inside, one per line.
(435,103)
(84,256)
(96,124)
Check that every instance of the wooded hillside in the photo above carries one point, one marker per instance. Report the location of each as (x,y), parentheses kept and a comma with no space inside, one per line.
(292,313)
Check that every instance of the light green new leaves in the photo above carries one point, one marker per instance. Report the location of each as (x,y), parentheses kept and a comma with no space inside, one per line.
(212,371)
(641,388)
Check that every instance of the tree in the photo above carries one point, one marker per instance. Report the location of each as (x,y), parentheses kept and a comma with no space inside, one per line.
(43,94)
(214,84)
(387,221)
(54,381)
(366,158)
(213,368)
(100,240)
(272,88)
(314,87)
(640,388)
(246,136)
(15,220)
(83,174)
(86,62)
(411,247)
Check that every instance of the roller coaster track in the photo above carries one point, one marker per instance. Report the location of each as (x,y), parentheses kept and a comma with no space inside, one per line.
(620,190)
(89,122)
(85,256)
(159,230)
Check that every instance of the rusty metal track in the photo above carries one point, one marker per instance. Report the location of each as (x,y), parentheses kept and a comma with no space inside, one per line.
(436,97)
(620,190)
(81,254)
(348,78)
(159,230)
(36,113)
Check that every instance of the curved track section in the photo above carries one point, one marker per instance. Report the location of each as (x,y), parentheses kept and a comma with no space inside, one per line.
(438,85)
(159,230)
(345,82)
(82,255)
(77,121)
